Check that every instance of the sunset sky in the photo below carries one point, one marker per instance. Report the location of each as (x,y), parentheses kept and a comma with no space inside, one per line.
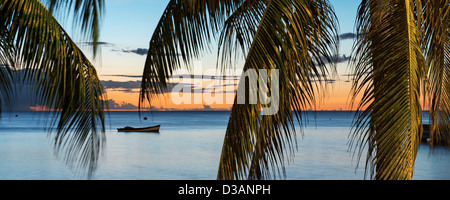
(126,31)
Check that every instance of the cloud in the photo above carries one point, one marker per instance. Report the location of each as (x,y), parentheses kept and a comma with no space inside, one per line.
(113,105)
(349,75)
(128,86)
(138,51)
(326,80)
(212,77)
(339,59)
(192,76)
(347,36)
(132,86)
(330,80)
(343,58)
(125,76)
(119,84)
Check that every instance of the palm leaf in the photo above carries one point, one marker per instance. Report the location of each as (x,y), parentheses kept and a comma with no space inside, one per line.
(389,69)
(238,32)
(64,79)
(295,35)
(292,37)
(183,33)
(87,15)
(437,42)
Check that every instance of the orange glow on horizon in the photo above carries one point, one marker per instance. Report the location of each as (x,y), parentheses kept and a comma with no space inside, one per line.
(336,97)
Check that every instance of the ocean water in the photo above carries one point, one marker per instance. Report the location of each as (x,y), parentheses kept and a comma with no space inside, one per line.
(188,147)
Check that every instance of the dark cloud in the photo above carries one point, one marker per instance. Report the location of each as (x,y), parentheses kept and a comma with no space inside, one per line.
(212,77)
(118,84)
(349,75)
(347,36)
(339,59)
(317,75)
(129,86)
(225,77)
(136,84)
(126,76)
(329,81)
(343,58)
(138,51)
(126,90)
(228,85)
(192,76)
(113,105)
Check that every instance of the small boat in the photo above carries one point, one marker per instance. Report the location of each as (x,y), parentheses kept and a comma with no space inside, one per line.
(145,129)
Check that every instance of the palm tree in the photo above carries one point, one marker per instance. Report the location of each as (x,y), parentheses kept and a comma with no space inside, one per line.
(400,55)
(295,37)
(32,40)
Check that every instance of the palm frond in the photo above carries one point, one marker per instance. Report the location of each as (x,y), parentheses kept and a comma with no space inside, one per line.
(238,31)
(389,68)
(65,80)
(183,33)
(292,37)
(87,16)
(437,52)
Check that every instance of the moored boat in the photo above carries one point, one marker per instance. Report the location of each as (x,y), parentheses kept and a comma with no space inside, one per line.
(145,129)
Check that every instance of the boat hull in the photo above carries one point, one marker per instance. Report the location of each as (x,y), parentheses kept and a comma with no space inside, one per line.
(146,129)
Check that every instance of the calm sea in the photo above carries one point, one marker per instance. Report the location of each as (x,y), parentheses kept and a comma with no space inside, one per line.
(188,147)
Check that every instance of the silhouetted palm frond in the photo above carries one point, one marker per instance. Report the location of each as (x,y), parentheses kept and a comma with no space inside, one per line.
(65,81)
